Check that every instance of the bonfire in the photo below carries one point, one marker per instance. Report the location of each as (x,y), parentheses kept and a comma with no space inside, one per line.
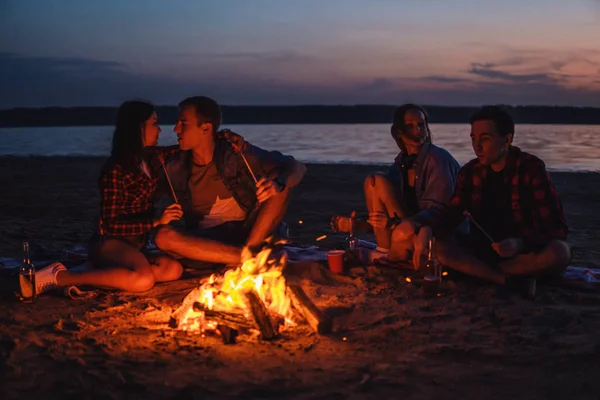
(252,297)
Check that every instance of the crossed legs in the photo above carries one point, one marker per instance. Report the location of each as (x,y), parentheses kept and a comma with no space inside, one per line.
(553,258)
(187,245)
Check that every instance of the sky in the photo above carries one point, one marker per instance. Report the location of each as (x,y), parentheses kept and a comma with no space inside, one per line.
(289,52)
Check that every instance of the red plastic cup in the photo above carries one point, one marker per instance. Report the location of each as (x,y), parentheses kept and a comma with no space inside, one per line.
(335,258)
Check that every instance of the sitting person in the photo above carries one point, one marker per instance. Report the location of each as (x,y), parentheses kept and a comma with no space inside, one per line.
(223,207)
(128,184)
(421,179)
(517,224)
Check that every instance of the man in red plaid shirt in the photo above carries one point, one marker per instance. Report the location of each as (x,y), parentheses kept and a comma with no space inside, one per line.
(517,227)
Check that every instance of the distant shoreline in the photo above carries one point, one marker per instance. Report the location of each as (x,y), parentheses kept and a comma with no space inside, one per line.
(359,114)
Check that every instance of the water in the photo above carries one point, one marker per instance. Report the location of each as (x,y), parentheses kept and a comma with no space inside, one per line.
(562,147)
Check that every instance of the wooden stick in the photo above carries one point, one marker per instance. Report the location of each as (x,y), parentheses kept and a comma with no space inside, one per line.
(239,148)
(470,218)
(228,334)
(248,166)
(260,315)
(169,180)
(186,305)
(236,321)
(373,196)
(315,317)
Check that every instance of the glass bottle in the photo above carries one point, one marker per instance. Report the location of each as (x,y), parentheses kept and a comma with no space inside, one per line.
(352,241)
(27,276)
(432,269)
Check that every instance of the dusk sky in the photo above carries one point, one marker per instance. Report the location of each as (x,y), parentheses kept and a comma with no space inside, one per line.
(284,52)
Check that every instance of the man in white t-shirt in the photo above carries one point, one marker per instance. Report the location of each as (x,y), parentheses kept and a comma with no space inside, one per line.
(224,209)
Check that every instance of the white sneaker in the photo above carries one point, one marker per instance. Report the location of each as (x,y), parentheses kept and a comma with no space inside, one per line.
(45,278)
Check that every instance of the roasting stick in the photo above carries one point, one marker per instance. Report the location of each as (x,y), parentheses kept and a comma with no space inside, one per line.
(239,147)
(248,165)
(470,218)
(373,195)
(169,180)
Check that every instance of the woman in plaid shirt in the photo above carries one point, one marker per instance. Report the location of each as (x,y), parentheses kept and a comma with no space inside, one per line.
(128,183)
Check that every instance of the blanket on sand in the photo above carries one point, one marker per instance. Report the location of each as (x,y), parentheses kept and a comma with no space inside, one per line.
(76,259)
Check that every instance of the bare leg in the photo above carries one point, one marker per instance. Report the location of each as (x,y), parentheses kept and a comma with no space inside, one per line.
(382,197)
(126,268)
(172,241)
(451,254)
(165,268)
(270,215)
(401,250)
(553,258)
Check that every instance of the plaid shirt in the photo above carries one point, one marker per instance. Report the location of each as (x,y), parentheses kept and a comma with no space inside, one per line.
(536,211)
(127,195)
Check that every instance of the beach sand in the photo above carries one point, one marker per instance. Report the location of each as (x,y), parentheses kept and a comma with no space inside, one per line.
(390,338)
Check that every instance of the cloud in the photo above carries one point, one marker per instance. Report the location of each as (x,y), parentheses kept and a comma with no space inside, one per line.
(378,85)
(489,70)
(279,56)
(44,81)
(444,79)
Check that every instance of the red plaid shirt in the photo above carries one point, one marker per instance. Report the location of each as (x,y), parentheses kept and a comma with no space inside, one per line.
(536,211)
(127,195)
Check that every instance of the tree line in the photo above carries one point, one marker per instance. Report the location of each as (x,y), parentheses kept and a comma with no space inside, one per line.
(90,116)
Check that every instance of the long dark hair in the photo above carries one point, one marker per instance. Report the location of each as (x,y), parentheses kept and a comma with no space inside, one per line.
(127,144)
(398,124)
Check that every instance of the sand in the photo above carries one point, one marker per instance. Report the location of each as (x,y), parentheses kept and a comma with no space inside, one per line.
(390,338)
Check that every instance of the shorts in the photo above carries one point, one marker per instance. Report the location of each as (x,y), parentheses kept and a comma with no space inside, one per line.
(140,242)
(234,232)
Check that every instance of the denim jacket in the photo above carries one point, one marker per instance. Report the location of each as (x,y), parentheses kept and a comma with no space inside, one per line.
(436,173)
(232,170)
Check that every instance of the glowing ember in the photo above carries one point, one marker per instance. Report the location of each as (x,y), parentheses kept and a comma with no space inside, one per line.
(321,237)
(226,293)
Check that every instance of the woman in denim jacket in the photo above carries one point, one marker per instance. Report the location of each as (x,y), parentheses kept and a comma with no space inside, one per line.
(421,179)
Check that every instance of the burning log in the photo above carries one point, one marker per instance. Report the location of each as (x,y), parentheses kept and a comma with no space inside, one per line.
(233,320)
(260,314)
(181,313)
(227,333)
(318,321)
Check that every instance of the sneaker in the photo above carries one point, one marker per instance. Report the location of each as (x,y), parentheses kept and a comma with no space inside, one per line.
(526,286)
(45,278)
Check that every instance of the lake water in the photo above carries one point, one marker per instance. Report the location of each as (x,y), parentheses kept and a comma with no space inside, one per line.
(562,147)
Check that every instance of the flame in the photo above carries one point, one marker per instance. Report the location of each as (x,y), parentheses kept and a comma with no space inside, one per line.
(225,292)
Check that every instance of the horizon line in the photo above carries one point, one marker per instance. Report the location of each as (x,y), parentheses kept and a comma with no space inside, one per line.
(320,105)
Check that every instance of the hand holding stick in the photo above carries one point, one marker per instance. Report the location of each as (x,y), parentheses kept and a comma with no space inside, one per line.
(470,218)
